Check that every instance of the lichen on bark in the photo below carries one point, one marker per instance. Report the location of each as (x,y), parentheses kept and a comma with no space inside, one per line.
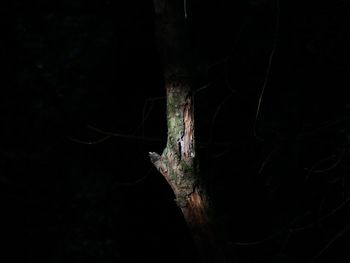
(177,163)
(177,160)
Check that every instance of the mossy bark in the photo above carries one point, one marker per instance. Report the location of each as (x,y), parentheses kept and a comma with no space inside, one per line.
(177,163)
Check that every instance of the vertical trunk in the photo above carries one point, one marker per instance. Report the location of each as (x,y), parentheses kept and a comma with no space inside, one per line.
(177,163)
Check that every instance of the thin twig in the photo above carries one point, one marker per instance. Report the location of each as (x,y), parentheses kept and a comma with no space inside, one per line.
(267,159)
(125,136)
(204,87)
(327,169)
(325,126)
(146,114)
(267,72)
(330,242)
(105,138)
(258,242)
(332,212)
(216,113)
(137,181)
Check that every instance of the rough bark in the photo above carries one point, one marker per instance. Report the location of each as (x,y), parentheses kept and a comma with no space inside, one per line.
(177,163)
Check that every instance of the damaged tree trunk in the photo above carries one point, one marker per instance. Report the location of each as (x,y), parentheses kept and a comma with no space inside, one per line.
(177,163)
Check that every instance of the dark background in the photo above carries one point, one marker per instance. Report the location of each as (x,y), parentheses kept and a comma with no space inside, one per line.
(280,182)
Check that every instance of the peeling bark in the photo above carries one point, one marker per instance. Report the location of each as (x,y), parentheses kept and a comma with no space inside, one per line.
(177,163)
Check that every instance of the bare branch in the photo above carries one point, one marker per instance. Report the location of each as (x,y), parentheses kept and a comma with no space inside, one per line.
(330,242)
(273,50)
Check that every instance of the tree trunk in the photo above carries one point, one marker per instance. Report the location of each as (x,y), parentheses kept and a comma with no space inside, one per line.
(177,163)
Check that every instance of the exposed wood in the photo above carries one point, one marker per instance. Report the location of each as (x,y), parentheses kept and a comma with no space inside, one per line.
(177,163)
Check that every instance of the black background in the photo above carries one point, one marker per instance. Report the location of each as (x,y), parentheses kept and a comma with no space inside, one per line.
(280,182)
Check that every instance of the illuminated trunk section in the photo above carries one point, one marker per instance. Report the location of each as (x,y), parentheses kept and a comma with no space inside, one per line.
(177,163)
